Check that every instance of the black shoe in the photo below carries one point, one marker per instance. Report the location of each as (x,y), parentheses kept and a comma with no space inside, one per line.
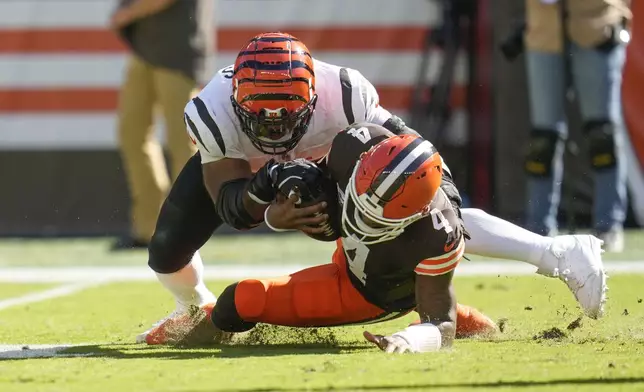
(129,243)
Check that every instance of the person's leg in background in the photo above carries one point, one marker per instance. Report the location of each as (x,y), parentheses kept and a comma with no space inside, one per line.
(141,153)
(544,162)
(174,90)
(597,75)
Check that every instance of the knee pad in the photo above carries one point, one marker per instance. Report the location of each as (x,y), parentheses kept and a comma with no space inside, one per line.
(177,236)
(543,146)
(250,297)
(225,315)
(601,144)
(162,258)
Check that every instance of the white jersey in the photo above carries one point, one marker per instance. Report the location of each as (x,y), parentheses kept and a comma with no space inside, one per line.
(345,97)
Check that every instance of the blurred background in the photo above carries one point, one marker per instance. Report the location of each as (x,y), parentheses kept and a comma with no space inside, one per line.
(436,64)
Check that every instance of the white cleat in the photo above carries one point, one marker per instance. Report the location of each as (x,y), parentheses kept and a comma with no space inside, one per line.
(142,337)
(579,265)
(193,327)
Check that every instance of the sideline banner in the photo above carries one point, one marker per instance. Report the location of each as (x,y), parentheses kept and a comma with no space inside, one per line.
(61,68)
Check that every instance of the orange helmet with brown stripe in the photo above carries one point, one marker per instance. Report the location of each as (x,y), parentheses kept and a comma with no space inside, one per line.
(391,187)
(274,91)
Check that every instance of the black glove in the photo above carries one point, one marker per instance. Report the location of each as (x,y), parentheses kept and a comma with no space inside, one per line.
(260,187)
(300,174)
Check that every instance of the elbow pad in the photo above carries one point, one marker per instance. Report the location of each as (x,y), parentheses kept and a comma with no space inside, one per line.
(230,205)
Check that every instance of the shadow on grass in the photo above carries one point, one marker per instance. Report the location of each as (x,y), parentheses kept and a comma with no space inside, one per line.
(428,387)
(215,351)
(138,351)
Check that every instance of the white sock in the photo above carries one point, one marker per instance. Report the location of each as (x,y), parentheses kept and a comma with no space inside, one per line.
(495,237)
(187,284)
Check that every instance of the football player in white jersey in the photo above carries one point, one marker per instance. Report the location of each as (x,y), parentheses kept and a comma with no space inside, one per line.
(277,103)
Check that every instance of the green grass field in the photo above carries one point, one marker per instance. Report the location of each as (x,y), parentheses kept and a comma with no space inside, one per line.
(540,348)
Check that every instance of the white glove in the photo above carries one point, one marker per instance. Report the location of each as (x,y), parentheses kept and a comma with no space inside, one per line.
(389,344)
(419,338)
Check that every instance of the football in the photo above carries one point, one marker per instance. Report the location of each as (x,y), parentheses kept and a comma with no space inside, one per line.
(313,186)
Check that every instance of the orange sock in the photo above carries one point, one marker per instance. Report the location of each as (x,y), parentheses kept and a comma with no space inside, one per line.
(470,322)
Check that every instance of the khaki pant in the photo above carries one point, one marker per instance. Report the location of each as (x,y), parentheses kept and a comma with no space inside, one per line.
(144,87)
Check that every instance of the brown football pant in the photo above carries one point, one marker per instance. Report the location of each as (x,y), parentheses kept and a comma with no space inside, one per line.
(146,86)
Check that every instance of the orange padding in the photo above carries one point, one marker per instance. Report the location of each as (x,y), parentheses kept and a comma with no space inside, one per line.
(316,296)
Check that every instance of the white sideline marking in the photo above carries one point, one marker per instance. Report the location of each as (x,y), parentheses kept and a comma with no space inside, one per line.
(21,351)
(56,292)
(228,272)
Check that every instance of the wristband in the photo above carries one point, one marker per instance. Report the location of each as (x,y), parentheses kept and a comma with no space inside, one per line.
(422,338)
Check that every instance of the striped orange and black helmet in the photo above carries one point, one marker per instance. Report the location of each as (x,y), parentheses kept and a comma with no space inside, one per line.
(274,91)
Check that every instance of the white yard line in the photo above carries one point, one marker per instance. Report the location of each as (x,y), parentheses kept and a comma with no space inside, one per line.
(56,292)
(139,273)
(21,351)
(227,272)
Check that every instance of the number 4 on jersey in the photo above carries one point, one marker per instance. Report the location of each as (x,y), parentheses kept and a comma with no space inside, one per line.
(439,221)
(361,134)
(356,253)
